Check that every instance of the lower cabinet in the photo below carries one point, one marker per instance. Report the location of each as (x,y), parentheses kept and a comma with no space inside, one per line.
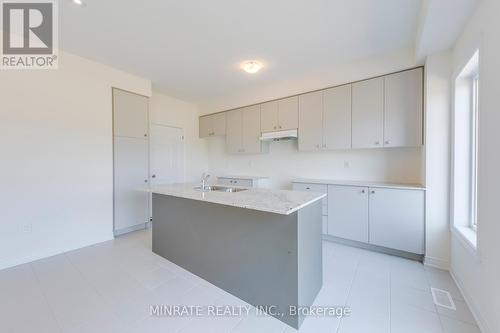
(390,217)
(397,219)
(348,212)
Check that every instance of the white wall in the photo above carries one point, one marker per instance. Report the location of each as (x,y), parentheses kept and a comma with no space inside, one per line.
(326,77)
(437,159)
(478,273)
(284,162)
(169,111)
(56,157)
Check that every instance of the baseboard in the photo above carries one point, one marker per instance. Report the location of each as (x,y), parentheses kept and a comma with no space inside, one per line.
(53,252)
(436,263)
(131,229)
(483,325)
(374,248)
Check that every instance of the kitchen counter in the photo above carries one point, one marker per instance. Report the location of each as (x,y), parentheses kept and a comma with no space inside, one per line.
(263,246)
(273,201)
(360,183)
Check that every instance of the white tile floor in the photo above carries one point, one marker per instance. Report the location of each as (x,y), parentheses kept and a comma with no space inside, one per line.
(110,286)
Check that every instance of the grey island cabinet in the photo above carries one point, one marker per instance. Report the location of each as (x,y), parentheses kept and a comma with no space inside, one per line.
(261,245)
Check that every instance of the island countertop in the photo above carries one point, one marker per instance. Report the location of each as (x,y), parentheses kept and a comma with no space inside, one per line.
(282,202)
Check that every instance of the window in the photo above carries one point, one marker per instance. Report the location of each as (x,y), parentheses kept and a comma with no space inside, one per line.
(465,149)
(474,149)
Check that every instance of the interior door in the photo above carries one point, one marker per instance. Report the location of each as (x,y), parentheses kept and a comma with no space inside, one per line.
(234,131)
(403,109)
(368,113)
(311,121)
(167,154)
(397,219)
(348,212)
(131,202)
(337,117)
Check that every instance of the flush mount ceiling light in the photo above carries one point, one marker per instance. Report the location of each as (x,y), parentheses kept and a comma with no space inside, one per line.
(251,66)
(78,2)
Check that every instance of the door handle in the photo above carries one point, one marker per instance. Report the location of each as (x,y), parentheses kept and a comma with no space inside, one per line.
(153,176)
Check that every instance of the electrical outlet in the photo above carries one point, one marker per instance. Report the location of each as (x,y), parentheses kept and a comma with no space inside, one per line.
(26,228)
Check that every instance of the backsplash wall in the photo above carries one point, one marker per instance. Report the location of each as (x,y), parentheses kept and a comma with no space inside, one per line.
(284,163)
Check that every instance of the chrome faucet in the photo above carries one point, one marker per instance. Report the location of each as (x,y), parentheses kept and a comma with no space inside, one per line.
(204,179)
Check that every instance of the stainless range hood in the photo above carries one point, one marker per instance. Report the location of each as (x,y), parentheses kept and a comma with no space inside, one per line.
(279,135)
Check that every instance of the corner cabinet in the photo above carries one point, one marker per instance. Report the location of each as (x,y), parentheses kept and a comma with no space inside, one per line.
(243,131)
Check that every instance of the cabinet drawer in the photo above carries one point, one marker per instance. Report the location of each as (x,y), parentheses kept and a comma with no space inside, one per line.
(321,188)
(325,225)
(235,182)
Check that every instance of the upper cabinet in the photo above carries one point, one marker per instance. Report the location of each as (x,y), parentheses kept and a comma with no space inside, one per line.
(311,121)
(388,111)
(280,115)
(403,109)
(243,131)
(213,125)
(337,117)
(130,116)
(368,113)
(325,119)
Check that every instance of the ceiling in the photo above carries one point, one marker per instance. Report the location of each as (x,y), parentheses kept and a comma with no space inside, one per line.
(192,49)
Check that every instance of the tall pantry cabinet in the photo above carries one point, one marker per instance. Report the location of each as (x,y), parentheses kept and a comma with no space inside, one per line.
(130,161)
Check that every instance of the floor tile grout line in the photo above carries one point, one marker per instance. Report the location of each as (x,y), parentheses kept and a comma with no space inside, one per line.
(44,295)
(349,291)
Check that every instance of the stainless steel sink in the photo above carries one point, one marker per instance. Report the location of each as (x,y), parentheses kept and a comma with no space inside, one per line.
(220,189)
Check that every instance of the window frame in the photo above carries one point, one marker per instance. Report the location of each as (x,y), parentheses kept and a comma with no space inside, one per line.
(475,85)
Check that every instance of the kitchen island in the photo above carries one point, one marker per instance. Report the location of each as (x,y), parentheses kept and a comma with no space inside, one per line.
(261,245)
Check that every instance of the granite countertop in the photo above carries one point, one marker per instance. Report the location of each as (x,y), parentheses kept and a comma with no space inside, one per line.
(273,201)
(360,183)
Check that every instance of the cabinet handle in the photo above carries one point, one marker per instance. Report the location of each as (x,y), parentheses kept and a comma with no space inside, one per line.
(274,127)
(372,192)
(145,135)
(308,188)
(317,146)
(153,176)
(145,180)
(324,145)
(280,126)
(387,142)
(377,143)
(363,191)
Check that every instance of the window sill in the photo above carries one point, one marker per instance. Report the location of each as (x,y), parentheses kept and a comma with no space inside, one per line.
(467,236)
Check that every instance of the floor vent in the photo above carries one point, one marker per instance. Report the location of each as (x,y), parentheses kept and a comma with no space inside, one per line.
(443,298)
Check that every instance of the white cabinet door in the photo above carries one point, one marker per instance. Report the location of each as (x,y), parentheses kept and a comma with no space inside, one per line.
(131,202)
(337,117)
(218,123)
(368,113)
(403,109)
(311,121)
(130,114)
(251,130)
(269,116)
(167,154)
(234,131)
(205,129)
(397,219)
(348,212)
(288,113)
